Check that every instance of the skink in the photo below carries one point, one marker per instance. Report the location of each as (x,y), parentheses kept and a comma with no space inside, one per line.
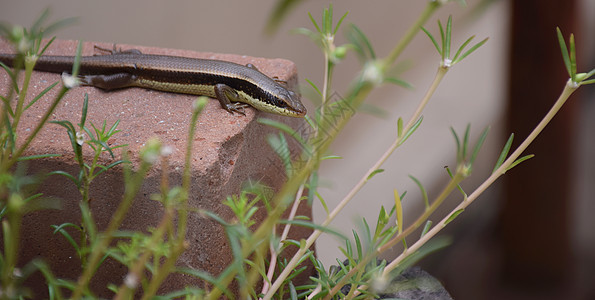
(234,85)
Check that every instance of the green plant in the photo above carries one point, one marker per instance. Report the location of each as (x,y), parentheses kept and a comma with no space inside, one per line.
(150,256)
(16,198)
(87,172)
(361,270)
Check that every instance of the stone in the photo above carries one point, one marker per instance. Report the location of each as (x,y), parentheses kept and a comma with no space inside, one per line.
(228,151)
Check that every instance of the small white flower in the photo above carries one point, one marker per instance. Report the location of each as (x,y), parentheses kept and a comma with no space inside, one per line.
(380,283)
(447,63)
(151,151)
(70,81)
(167,150)
(373,73)
(80,138)
(17,273)
(131,280)
(151,157)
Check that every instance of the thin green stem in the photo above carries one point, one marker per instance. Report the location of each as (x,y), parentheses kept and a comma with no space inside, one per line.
(199,105)
(29,64)
(568,90)
(11,229)
(4,118)
(325,84)
(180,244)
(8,164)
(452,185)
(131,188)
(281,200)
(165,269)
(274,254)
(135,274)
(430,8)
(314,236)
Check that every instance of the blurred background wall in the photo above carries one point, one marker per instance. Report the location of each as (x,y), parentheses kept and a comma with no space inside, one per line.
(474,91)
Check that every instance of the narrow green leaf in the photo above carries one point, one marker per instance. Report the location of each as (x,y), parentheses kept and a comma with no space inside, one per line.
(374,110)
(404,241)
(107,148)
(331,157)
(285,128)
(361,42)
(37,203)
(31,157)
(280,11)
(46,46)
(399,208)
(84,112)
(453,216)
(61,229)
(113,129)
(347,252)
(564,51)
(313,85)
(411,130)
(110,166)
(423,191)
(41,94)
(65,124)
(374,173)
(7,106)
(311,225)
(572,57)
(381,221)
(59,24)
(466,142)
(292,291)
(358,245)
(458,142)
(443,39)
(281,148)
(88,221)
(77,59)
(314,23)
(67,175)
(456,57)
(399,127)
(88,131)
(15,83)
(327,20)
(520,160)
(37,25)
(504,153)
(398,82)
(313,190)
(339,23)
(433,40)
(478,145)
(314,36)
(458,185)
(448,37)
(475,47)
(585,82)
(322,202)
(427,228)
